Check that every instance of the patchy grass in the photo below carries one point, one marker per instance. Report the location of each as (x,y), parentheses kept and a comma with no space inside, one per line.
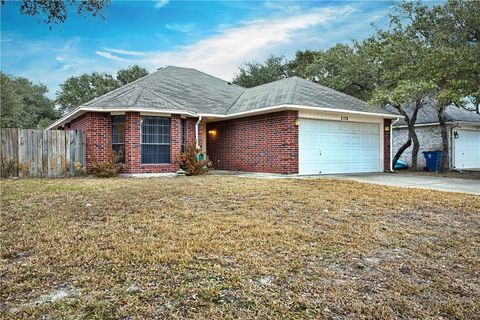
(227,247)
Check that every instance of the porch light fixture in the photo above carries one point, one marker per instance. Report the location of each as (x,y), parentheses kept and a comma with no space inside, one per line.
(386,128)
(455,134)
(296,122)
(212,132)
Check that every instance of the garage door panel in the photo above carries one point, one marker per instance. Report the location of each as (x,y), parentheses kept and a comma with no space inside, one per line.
(338,147)
(467,149)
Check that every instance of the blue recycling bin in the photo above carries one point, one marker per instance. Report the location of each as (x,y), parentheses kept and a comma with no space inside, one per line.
(433,159)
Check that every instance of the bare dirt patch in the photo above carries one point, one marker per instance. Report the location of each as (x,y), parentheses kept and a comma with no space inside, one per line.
(223,247)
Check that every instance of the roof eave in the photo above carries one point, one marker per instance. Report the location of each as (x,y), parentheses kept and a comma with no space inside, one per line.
(82,109)
(298,107)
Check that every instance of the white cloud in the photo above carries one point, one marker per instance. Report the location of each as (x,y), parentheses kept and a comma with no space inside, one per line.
(125,52)
(161,3)
(221,54)
(110,56)
(180,27)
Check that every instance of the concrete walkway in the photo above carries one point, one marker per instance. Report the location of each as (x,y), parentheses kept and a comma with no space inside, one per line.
(471,186)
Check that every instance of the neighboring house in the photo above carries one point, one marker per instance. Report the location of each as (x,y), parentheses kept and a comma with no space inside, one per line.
(463,136)
(287,126)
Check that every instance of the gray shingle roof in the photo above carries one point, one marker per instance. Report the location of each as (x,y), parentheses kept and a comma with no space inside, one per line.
(428,114)
(175,88)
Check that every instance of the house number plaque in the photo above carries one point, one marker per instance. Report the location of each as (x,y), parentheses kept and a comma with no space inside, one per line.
(344,118)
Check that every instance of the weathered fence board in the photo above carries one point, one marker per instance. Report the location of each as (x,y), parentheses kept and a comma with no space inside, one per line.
(9,152)
(32,153)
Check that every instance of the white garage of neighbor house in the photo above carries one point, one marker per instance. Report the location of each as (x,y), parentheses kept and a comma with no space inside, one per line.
(463,136)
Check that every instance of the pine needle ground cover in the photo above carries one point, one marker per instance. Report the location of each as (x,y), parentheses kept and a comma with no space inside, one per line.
(219,247)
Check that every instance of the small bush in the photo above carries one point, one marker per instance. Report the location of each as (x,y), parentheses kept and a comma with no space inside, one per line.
(108,168)
(194,162)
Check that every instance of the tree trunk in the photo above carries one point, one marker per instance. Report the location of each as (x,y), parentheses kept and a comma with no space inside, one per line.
(413,134)
(408,143)
(444,166)
(416,147)
(400,151)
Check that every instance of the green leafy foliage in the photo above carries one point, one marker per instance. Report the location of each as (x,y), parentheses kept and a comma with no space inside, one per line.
(255,73)
(449,32)
(346,68)
(24,104)
(78,90)
(131,74)
(55,12)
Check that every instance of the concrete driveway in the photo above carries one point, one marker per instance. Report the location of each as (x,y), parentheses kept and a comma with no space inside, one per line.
(471,186)
(410,181)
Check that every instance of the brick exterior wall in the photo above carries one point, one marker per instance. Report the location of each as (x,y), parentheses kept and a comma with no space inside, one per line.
(264,143)
(98,127)
(386,145)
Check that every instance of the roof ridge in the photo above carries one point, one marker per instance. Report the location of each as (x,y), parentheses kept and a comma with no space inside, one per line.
(268,83)
(294,88)
(328,88)
(122,87)
(209,75)
(120,94)
(235,101)
(164,99)
(138,96)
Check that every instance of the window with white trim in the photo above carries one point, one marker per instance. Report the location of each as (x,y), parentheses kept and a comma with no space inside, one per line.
(155,140)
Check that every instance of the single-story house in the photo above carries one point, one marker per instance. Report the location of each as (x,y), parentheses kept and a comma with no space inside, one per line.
(287,126)
(463,129)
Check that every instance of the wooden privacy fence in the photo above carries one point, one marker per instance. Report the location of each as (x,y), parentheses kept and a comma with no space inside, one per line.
(34,153)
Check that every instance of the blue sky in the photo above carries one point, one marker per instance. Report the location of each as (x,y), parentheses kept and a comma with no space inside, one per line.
(214,37)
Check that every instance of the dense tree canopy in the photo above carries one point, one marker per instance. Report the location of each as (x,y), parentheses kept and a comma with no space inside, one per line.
(131,74)
(78,90)
(55,12)
(255,73)
(24,104)
(450,34)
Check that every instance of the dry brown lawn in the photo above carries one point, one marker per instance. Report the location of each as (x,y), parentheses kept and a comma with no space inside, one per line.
(218,247)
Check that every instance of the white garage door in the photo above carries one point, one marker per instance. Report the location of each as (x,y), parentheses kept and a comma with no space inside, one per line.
(338,147)
(467,149)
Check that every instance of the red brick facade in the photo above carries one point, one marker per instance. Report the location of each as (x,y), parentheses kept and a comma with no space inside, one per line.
(98,127)
(386,144)
(264,143)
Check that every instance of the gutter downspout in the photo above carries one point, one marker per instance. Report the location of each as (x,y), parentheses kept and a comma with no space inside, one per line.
(196,132)
(391,142)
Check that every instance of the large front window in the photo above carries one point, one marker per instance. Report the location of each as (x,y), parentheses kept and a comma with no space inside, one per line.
(155,142)
(118,137)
